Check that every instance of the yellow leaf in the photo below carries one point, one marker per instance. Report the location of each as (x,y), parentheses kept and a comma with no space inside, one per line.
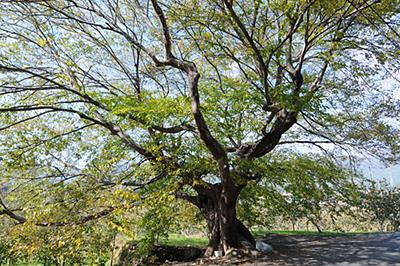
(42,42)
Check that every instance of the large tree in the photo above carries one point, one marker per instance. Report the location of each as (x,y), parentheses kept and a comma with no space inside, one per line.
(140,101)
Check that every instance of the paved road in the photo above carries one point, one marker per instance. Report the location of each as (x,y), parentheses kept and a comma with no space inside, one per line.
(368,249)
(354,250)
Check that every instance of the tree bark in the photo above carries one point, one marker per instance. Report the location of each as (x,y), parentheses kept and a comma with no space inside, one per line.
(316,225)
(217,205)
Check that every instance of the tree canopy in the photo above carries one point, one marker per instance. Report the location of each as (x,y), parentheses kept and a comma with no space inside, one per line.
(108,106)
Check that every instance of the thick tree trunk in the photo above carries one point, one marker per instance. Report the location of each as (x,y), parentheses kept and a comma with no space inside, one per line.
(225,231)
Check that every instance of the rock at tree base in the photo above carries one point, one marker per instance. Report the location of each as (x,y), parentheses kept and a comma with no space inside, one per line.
(263,247)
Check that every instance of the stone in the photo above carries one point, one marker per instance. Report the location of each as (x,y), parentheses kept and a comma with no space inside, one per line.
(234,253)
(263,247)
(218,253)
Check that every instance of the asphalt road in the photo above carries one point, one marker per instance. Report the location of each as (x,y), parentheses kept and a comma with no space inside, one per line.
(366,249)
(354,250)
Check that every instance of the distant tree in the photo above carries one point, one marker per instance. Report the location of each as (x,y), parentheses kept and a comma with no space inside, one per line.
(382,202)
(118,107)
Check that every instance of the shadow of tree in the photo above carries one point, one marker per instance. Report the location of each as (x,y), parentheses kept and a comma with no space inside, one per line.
(370,249)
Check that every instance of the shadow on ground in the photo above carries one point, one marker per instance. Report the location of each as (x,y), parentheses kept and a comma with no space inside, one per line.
(294,250)
(370,249)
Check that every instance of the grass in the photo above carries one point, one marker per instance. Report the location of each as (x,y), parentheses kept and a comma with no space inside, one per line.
(179,240)
(27,264)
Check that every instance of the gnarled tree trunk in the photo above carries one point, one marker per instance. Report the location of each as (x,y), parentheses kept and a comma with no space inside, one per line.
(217,204)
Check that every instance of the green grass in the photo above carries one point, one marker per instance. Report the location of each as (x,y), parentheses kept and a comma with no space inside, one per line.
(179,240)
(27,264)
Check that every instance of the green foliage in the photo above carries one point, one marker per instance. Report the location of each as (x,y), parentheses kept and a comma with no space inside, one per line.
(382,202)
(296,187)
(184,241)
(153,109)
(89,245)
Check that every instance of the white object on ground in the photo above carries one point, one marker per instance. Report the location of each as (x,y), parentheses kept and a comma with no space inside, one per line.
(218,253)
(263,247)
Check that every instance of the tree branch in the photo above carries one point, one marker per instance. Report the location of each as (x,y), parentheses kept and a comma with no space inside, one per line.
(257,52)
(193,77)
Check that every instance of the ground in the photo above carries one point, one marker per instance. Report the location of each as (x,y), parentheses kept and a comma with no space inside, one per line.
(355,249)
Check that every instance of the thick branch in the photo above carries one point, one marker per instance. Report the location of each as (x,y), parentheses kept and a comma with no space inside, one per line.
(11,213)
(193,77)
(81,221)
(283,122)
(167,36)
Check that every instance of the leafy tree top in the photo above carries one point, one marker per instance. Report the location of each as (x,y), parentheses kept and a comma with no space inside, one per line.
(162,96)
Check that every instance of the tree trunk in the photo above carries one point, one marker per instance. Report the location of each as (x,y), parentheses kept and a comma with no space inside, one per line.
(225,231)
(316,225)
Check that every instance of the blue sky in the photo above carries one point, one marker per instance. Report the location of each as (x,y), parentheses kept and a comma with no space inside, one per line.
(375,170)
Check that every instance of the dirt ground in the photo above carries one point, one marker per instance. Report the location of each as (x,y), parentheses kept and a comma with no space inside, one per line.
(363,249)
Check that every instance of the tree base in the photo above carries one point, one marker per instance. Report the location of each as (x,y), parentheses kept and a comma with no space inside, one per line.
(245,249)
